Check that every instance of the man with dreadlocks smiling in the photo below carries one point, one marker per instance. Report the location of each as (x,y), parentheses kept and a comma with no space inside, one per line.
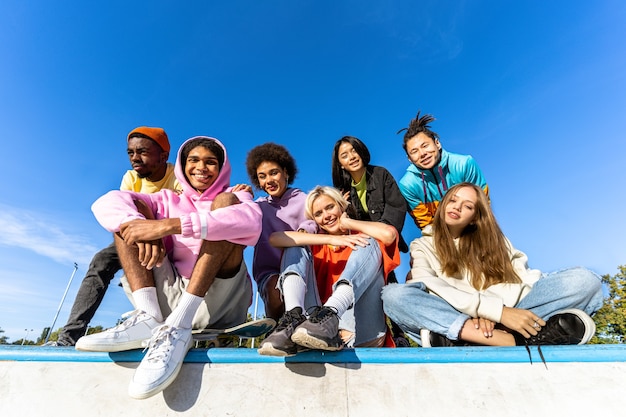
(432,170)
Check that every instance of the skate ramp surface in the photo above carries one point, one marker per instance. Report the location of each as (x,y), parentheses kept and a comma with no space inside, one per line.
(463,381)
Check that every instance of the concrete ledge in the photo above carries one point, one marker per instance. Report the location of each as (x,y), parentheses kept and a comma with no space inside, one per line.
(467,382)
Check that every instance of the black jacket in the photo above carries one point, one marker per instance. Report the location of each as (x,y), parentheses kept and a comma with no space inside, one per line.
(384,201)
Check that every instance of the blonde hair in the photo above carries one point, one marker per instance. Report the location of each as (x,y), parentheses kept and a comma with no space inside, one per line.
(319,191)
(482,251)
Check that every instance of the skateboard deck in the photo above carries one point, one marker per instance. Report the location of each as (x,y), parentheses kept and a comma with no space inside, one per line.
(247,330)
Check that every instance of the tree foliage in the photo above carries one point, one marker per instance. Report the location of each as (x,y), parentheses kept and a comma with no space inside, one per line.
(611,318)
(4,340)
(54,336)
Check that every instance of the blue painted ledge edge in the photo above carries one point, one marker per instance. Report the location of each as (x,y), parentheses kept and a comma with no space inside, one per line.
(518,354)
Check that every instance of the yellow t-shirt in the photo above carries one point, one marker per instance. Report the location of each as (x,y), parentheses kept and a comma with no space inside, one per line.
(361,191)
(132,182)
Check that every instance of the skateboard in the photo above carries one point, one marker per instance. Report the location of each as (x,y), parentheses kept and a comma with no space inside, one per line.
(247,330)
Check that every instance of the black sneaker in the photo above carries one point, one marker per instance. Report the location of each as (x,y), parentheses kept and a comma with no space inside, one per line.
(279,343)
(567,327)
(320,331)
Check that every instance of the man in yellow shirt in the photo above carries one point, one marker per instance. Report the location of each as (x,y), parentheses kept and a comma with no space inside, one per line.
(148,151)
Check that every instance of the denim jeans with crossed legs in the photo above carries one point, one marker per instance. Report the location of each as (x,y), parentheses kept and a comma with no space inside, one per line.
(363,271)
(413,308)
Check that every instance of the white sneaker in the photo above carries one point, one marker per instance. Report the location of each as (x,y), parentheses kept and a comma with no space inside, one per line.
(128,335)
(162,362)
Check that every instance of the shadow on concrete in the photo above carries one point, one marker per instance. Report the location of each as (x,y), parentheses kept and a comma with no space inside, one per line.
(313,362)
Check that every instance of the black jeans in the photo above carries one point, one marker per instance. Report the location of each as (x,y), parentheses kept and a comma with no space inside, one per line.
(101,271)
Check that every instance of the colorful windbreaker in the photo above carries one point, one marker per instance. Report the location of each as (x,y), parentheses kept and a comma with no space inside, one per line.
(423,189)
(239,223)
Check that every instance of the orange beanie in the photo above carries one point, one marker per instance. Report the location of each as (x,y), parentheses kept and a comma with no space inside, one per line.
(155,133)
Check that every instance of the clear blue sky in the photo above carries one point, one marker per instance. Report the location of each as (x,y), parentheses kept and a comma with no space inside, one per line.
(535,91)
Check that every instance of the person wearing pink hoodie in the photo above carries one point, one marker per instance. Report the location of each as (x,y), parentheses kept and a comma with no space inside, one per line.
(182,255)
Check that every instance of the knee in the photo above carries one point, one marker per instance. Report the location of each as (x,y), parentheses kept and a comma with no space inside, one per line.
(99,258)
(224,200)
(105,259)
(580,278)
(268,288)
(585,277)
(593,280)
(391,293)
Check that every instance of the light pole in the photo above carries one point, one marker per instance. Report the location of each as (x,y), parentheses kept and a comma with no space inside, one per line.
(61,304)
(25,337)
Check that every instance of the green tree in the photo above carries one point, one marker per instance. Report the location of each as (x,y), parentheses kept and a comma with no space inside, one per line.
(54,336)
(611,318)
(95,329)
(4,340)
(42,336)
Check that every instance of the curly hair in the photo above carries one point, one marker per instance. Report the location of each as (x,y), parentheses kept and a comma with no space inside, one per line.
(419,125)
(342,179)
(270,152)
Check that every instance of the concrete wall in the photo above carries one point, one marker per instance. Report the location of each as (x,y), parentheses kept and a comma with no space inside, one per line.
(579,380)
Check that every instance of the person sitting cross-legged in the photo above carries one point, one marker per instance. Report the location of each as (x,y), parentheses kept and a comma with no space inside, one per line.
(203,280)
(469,285)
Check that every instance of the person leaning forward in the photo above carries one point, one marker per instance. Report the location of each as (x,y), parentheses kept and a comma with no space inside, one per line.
(148,149)
(182,255)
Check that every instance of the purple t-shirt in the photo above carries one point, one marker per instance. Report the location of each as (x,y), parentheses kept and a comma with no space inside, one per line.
(279,214)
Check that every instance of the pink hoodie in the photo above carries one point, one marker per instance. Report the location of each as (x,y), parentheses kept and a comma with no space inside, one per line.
(240,223)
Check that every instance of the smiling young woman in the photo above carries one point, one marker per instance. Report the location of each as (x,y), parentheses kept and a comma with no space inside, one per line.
(468,284)
(271,168)
(336,275)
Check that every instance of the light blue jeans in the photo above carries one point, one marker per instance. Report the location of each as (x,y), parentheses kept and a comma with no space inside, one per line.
(363,271)
(413,308)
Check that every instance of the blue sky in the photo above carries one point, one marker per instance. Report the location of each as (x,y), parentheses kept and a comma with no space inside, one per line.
(535,91)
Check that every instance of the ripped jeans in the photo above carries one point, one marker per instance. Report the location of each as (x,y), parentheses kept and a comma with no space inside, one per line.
(363,271)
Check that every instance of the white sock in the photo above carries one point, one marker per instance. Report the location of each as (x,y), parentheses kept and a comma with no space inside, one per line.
(341,299)
(147,301)
(294,289)
(183,314)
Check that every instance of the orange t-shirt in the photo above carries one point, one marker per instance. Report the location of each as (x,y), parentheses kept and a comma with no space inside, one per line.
(330,261)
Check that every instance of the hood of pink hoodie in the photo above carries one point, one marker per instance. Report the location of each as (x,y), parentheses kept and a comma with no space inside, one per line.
(240,224)
(221,183)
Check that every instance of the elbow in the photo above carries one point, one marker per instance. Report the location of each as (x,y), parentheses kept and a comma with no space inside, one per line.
(390,235)
(275,240)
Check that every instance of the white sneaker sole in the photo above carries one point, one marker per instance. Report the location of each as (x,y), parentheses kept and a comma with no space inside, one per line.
(140,392)
(267,349)
(302,338)
(109,347)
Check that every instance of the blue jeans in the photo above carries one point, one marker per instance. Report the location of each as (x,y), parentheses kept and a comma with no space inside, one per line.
(413,308)
(363,271)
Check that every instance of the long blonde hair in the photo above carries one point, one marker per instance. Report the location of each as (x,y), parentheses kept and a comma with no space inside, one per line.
(482,250)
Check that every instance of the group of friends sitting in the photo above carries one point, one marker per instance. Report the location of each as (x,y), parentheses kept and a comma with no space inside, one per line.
(323,261)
